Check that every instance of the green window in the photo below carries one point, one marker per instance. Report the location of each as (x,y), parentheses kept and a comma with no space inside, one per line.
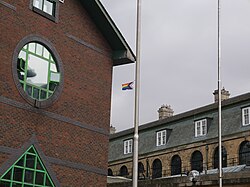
(47,6)
(27,171)
(37,71)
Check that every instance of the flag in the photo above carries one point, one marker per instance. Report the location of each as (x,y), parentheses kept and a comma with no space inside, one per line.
(127,86)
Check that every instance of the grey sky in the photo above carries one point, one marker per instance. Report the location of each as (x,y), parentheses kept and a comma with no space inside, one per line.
(179,55)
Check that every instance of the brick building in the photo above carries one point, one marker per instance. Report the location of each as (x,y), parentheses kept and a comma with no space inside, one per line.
(174,145)
(55,91)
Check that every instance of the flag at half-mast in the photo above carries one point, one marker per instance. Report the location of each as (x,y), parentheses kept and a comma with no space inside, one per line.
(128,86)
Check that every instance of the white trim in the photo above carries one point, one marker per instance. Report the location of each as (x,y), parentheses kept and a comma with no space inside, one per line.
(127,146)
(200,127)
(245,116)
(61,1)
(161,137)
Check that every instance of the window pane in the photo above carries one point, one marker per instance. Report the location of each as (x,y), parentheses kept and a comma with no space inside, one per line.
(45,53)
(4,184)
(53,67)
(198,129)
(37,4)
(163,137)
(55,77)
(22,55)
(39,178)
(18,174)
(39,49)
(29,90)
(246,116)
(32,47)
(29,176)
(40,67)
(20,162)
(48,7)
(30,161)
(7,175)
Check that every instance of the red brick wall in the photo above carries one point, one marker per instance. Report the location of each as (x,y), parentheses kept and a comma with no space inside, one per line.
(85,97)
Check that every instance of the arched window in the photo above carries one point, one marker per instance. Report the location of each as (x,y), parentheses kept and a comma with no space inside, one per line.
(244,153)
(141,171)
(197,161)
(110,172)
(140,167)
(157,169)
(216,157)
(176,165)
(124,171)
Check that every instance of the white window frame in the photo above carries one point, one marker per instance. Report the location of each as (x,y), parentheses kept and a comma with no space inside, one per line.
(161,137)
(43,6)
(246,116)
(200,127)
(127,146)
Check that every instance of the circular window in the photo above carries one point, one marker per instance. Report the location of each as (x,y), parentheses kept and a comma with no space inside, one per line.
(37,73)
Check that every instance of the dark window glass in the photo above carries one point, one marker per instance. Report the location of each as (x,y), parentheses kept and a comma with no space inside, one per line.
(197,161)
(39,178)
(141,171)
(157,169)
(18,174)
(244,154)
(216,157)
(176,165)
(7,175)
(124,171)
(110,172)
(30,161)
(29,175)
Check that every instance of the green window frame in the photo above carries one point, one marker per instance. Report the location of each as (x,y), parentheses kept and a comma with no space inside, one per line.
(27,171)
(39,53)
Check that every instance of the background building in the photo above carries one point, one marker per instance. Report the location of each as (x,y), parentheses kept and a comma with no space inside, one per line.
(174,145)
(55,91)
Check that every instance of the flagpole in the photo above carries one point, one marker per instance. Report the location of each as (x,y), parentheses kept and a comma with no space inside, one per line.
(137,91)
(219,97)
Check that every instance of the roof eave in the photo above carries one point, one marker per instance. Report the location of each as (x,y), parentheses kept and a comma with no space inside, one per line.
(121,52)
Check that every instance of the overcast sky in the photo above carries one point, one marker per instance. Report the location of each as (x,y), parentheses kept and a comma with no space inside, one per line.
(179,55)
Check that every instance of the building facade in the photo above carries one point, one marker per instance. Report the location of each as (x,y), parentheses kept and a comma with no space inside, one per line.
(174,145)
(55,91)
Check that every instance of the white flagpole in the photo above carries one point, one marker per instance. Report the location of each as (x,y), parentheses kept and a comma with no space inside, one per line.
(137,91)
(219,97)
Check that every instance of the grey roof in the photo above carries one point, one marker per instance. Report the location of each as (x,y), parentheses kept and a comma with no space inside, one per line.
(180,128)
(183,116)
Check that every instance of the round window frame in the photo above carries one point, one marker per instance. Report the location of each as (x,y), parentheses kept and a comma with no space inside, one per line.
(38,39)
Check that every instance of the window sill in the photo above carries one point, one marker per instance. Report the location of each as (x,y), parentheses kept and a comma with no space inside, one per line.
(200,136)
(44,14)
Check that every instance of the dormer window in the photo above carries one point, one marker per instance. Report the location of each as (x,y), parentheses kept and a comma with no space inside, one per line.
(246,116)
(161,138)
(128,146)
(200,127)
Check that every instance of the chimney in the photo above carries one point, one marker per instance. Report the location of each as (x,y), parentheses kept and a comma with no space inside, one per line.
(112,130)
(165,111)
(224,95)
